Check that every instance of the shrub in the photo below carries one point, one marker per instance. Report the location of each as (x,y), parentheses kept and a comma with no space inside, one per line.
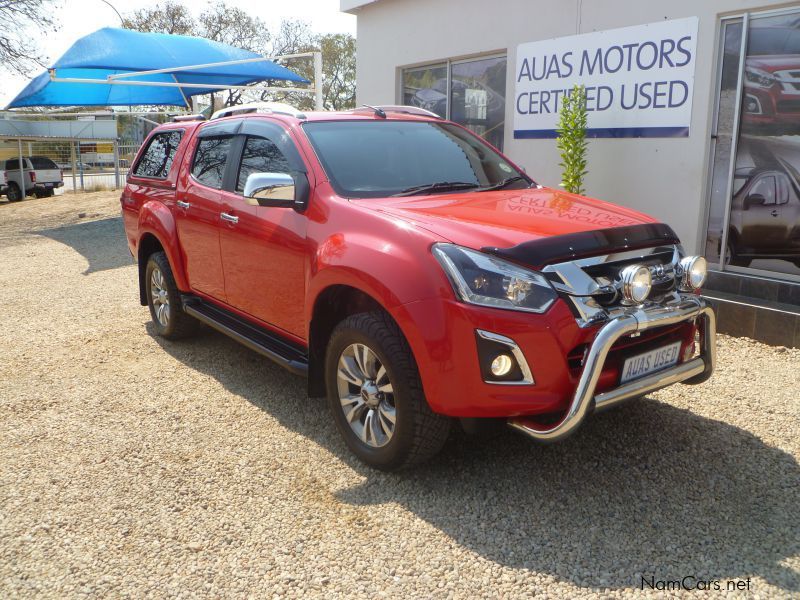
(572,140)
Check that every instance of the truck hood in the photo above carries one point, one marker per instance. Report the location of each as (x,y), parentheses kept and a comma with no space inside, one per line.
(507,217)
(775,62)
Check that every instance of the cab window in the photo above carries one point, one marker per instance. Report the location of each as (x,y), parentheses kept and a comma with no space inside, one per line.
(208,166)
(157,158)
(260,155)
(766,188)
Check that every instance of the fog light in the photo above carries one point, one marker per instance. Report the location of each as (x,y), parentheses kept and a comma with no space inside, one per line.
(502,365)
(636,283)
(694,271)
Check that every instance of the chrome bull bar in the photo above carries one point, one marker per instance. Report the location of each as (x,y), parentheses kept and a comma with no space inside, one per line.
(694,371)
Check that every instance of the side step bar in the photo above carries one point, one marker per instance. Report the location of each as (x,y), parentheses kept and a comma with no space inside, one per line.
(286,354)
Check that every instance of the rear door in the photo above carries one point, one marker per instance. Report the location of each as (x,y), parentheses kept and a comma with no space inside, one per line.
(264,248)
(198,210)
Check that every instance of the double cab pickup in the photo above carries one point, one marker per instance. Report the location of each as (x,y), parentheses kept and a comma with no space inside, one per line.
(415,275)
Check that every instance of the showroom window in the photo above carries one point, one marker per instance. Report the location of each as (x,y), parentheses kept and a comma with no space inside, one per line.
(754,199)
(470,92)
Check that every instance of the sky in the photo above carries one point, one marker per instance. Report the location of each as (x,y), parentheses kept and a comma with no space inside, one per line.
(81,17)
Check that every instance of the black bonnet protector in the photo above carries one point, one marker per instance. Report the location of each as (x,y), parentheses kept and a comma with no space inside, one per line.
(563,248)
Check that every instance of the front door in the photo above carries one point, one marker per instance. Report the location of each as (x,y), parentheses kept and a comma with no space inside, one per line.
(264,248)
(197,216)
(762,229)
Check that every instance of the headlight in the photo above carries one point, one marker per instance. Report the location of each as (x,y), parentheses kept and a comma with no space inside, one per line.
(759,78)
(636,283)
(694,271)
(478,278)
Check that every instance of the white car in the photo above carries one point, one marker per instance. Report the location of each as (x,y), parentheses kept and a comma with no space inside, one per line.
(40,175)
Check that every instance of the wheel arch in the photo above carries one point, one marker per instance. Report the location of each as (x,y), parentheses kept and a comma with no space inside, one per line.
(149,244)
(157,232)
(331,306)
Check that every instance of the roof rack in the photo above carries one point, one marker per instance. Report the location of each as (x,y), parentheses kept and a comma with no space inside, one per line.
(183,118)
(400,108)
(278,108)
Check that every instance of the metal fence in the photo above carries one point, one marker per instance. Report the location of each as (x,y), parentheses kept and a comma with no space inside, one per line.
(88,165)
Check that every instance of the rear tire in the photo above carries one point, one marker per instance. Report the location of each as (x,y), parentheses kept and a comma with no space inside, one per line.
(164,300)
(14,194)
(376,396)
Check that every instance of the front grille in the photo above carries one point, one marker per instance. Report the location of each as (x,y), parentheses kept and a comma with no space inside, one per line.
(592,286)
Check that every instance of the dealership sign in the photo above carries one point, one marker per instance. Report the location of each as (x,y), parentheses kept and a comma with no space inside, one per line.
(639,80)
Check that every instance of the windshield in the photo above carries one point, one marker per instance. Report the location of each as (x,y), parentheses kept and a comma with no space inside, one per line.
(376,159)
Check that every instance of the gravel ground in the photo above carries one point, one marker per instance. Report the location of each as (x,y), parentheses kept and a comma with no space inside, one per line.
(136,467)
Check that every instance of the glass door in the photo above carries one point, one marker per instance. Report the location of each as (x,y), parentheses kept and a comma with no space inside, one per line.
(754,200)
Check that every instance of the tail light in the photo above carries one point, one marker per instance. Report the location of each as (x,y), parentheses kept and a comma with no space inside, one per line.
(33,176)
(61,173)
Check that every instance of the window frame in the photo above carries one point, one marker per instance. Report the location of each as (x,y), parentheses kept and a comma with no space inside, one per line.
(150,141)
(448,63)
(240,153)
(232,151)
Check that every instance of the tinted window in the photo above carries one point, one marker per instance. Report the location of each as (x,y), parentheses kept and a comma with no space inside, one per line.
(260,155)
(372,159)
(427,88)
(13,163)
(209,160)
(41,162)
(766,188)
(477,97)
(157,159)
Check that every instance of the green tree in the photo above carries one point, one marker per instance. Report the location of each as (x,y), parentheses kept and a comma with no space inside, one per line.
(572,139)
(170,17)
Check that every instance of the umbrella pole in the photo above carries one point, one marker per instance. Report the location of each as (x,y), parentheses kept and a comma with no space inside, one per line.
(72,158)
(180,89)
(21,169)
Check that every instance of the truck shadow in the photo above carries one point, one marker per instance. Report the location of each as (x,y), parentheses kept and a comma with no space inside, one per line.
(645,490)
(101,242)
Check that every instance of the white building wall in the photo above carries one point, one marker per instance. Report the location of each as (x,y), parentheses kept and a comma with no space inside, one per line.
(665,177)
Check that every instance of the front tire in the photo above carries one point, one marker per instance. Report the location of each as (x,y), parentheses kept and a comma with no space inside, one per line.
(164,300)
(375,394)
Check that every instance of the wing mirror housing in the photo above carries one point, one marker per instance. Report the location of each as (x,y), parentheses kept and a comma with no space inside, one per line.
(754,200)
(284,190)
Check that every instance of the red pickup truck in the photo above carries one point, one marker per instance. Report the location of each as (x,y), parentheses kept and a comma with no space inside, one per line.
(412,273)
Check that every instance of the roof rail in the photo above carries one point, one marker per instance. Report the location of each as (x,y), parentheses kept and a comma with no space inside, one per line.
(183,118)
(278,108)
(407,110)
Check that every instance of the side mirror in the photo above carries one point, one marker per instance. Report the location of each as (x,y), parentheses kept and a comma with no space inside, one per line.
(270,189)
(754,200)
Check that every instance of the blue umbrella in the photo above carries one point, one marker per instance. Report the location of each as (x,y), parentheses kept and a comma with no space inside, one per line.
(81,76)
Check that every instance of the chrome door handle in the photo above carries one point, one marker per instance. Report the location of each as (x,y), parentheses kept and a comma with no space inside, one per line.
(229,218)
(183,204)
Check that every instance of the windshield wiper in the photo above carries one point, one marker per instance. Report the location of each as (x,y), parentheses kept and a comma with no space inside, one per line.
(502,184)
(440,186)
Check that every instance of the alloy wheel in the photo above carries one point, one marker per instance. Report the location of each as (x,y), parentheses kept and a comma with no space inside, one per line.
(366,395)
(158,292)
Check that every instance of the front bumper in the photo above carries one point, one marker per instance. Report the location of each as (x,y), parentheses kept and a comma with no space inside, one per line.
(585,399)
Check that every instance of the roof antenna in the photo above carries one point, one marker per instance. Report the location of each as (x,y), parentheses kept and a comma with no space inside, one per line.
(378,111)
